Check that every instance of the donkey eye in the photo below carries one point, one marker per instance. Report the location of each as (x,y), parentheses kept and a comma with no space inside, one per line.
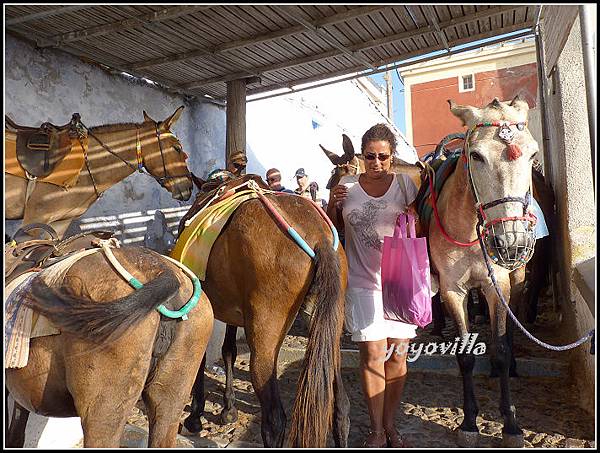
(533,156)
(476,156)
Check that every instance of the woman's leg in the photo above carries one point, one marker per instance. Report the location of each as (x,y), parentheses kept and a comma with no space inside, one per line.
(395,377)
(372,373)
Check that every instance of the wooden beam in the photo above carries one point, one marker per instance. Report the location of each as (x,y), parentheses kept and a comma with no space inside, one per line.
(388,61)
(235,140)
(44,14)
(310,26)
(431,18)
(125,24)
(329,20)
(356,48)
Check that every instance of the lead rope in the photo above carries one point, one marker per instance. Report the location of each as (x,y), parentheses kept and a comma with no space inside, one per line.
(590,335)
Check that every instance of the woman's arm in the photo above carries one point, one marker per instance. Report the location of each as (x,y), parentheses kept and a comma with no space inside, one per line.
(334,208)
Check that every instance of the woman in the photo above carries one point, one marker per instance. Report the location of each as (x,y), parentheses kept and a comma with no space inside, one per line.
(370,203)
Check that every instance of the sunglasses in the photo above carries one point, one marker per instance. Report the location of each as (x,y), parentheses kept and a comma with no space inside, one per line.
(273,179)
(382,157)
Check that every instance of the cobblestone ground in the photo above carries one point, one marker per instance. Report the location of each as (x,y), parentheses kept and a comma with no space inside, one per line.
(547,408)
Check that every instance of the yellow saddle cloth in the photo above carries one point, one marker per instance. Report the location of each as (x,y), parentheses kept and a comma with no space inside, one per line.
(196,240)
(65,174)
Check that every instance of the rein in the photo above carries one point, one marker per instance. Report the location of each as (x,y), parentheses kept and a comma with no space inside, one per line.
(139,157)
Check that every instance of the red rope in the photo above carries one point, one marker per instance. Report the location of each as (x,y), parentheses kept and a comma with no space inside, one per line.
(439,222)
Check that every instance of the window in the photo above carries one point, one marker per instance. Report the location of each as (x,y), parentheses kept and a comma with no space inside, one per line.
(466,82)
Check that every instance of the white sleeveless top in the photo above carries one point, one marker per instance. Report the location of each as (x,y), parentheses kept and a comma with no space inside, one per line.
(367,220)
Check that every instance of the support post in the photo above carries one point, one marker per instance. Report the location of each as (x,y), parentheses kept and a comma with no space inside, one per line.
(235,141)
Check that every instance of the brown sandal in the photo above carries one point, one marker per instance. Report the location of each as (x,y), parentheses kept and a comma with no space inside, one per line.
(395,440)
(370,440)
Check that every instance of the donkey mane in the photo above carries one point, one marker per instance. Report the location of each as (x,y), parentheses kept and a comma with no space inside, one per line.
(116,127)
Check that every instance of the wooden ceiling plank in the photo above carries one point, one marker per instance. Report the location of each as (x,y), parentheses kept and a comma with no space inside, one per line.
(44,14)
(156,16)
(230,45)
(354,69)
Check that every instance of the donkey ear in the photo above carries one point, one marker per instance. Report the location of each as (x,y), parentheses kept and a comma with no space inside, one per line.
(348,147)
(147,117)
(173,118)
(467,114)
(334,158)
(519,104)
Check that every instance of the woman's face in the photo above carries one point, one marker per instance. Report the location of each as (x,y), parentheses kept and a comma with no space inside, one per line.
(378,157)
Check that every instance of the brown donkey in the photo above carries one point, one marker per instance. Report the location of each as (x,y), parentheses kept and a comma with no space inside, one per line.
(114,347)
(258,278)
(111,157)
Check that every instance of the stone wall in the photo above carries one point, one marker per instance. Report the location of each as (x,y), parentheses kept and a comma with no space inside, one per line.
(569,170)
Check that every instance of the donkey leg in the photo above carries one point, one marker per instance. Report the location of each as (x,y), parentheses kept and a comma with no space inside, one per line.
(437,312)
(468,433)
(15,433)
(166,394)
(229,351)
(264,348)
(192,423)
(512,435)
(341,411)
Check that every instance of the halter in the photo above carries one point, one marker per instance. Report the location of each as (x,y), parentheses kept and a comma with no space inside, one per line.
(138,153)
(490,227)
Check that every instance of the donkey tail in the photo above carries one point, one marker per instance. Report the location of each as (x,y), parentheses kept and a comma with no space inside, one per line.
(313,408)
(100,322)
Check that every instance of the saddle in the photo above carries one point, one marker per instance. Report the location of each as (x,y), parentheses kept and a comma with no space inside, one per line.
(21,257)
(224,182)
(41,149)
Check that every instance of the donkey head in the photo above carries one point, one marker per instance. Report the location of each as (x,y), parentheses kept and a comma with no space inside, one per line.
(164,157)
(347,164)
(499,151)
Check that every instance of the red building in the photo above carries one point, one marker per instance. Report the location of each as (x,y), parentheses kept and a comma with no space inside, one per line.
(472,78)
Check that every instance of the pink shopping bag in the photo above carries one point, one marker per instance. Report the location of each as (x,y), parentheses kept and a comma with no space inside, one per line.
(405,275)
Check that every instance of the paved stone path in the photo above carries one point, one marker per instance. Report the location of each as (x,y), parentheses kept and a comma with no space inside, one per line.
(547,408)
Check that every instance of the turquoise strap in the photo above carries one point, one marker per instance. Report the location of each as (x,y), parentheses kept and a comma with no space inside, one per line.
(183,311)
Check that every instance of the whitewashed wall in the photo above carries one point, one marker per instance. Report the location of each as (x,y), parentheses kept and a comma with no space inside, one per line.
(284,132)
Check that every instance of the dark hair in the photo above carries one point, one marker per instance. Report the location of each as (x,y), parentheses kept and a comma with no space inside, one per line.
(379,132)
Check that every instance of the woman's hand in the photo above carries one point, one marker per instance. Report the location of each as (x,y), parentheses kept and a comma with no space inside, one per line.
(338,194)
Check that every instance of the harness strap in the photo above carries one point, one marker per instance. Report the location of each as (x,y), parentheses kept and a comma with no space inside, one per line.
(135,283)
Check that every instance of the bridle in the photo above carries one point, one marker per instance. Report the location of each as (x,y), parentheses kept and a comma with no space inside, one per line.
(487,229)
(141,166)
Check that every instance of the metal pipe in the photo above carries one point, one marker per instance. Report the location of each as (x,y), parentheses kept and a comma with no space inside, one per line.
(542,77)
(589,68)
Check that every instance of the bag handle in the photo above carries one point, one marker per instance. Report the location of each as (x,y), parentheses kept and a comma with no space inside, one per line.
(400,230)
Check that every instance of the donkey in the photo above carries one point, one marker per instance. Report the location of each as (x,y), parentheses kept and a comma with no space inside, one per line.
(490,189)
(115,152)
(113,347)
(258,278)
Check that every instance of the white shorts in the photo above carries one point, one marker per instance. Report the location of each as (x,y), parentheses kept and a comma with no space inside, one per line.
(364,317)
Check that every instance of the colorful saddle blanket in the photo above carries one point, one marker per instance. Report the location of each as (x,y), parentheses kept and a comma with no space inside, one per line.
(443,169)
(21,323)
(196,240)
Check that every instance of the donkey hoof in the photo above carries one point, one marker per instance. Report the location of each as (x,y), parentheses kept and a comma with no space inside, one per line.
(512,440)
(193,426)
(467,439)
(229,416)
